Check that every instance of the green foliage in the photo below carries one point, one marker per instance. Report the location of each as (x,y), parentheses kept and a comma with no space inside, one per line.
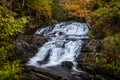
(96,33)
(106,18)
(43,7)
(10,71)
(112,44)
(9,24)
(110,56)
(3,54)
(9,28)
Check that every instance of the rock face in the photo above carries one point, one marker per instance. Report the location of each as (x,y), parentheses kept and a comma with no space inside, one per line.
(91,45)
(27,46)
(51,73)
(86,61)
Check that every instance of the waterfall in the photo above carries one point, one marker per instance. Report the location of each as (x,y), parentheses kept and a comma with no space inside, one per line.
(64,44)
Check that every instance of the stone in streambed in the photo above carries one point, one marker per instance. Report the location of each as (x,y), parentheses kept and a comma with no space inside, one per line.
(67,64)
(42,62)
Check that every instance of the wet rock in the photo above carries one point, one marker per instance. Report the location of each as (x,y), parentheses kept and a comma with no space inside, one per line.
(67,64)
(27,46)
(101,77)
(46,74)
(42,62)
(86,76)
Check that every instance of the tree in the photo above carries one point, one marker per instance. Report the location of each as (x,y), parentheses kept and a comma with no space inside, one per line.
(77,8)
(9,28)
(105,18)
(43,7)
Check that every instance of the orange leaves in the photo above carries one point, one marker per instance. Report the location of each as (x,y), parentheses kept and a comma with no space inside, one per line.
(71,7)
(77,8)
(73,10)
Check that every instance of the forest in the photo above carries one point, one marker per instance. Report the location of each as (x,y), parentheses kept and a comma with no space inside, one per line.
(18,17)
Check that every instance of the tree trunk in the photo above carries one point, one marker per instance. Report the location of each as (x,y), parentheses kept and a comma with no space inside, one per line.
(36,17)
(85,14)
(11,1)
(23,3)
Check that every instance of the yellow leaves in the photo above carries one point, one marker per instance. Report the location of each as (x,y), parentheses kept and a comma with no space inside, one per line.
(43,7)
(1,23)
(46,11)
(72,7)
(9,25)
(87,0)
(10,71)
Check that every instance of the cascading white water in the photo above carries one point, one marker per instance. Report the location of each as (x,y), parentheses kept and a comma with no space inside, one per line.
(64,44)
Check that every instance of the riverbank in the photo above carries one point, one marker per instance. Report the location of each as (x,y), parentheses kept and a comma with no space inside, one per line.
(88,60)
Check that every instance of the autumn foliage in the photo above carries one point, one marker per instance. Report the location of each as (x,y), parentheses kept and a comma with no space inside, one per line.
(102,15)
(77,8)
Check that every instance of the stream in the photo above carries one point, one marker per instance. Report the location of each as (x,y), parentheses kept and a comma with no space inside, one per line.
(63,47)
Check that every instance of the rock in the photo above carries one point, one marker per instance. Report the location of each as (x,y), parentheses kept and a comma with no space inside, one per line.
(27,46)
(99,77)
(33,76)
(67,64)
(86,61)
(86,76)
(42,62)
(45,74)
(91,45)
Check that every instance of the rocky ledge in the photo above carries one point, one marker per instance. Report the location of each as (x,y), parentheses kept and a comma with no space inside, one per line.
(27,46)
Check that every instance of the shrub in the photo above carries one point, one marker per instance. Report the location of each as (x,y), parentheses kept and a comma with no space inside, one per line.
(110,56)
(9,28)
